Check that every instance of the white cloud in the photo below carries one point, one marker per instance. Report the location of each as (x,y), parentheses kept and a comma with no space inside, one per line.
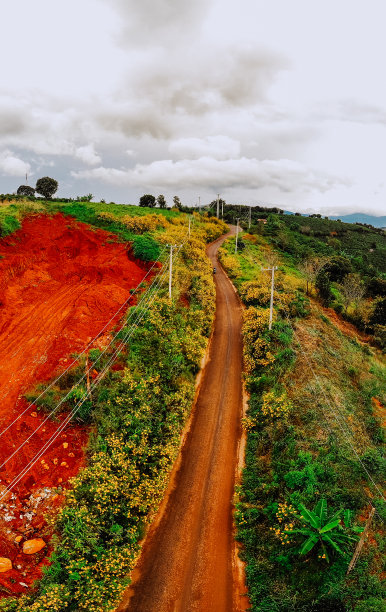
(13,166)
(88,155)
(218,147)
(208,172)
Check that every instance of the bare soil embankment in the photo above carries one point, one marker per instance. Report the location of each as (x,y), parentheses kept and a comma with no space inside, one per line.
(60,284)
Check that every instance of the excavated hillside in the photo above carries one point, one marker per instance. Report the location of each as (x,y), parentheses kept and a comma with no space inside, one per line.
(61,282)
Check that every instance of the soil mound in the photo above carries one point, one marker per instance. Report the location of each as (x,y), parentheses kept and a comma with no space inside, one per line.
(60,283)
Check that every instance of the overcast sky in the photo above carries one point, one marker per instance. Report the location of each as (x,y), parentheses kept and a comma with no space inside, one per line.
(277,101)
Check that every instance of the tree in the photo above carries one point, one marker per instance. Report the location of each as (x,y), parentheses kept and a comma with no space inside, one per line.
(378,316)
(177,202)
(85,198)
(46,186)
(352,290)
(26,190)
(337,267)
(323,285)
(161,201)
(311,268)
(147,200)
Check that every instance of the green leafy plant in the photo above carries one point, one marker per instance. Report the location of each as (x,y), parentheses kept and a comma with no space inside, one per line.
(325,532)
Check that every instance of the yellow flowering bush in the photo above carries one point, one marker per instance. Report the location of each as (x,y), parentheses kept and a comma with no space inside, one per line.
(286,516)
(230,263)
(275,406)
(145,223)
(256,348)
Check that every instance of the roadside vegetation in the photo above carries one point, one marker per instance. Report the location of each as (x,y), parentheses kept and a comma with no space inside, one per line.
(314,464)
(136,412)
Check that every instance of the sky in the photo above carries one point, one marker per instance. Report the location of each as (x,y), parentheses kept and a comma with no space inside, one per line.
(271,102)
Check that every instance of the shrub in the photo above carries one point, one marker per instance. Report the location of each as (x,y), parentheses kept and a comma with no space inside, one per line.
(146,248)
(26,190)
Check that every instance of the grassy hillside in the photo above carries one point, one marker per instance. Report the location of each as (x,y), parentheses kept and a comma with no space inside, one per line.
(314,439)
(136,414)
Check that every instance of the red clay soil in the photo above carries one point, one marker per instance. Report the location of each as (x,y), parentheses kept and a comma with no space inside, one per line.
(344,326)
(189,561)
(60,283)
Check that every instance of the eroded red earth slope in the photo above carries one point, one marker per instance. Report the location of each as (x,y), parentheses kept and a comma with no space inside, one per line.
(60,283)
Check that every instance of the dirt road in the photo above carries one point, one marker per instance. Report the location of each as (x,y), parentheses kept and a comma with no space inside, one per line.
(187,563)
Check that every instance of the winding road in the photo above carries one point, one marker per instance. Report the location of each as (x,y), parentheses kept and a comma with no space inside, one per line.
(189,562)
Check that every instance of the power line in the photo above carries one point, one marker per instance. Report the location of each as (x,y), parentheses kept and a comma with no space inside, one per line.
(48,443)
(81,402)
(341,422)
(84,350)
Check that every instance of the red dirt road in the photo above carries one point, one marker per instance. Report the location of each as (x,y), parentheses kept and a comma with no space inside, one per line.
(60,283)
(188,560)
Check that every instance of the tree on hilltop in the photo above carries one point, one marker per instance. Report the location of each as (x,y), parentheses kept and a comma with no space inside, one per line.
(46,186)
(161,201)
(26,190)
(177,202)
(147,200)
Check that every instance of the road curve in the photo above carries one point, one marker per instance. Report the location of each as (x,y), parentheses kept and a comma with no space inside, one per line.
(188,560)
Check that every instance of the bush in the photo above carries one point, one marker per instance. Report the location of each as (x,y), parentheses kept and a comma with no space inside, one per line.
(146,248)
(25,190)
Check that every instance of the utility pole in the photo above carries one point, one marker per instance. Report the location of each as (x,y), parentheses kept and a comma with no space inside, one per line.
(250,217)
(359,547)
(272,270)
(170,269)
(237,234)
(199,203)
(222,209)
(218,206)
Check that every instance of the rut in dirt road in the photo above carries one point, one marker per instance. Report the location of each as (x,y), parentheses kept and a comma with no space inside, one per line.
(188,560)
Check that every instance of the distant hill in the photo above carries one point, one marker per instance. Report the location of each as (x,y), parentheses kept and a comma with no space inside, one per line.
(362,218)
(353,218)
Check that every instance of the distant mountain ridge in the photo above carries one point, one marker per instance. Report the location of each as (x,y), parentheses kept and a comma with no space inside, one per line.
(361,218)
(352,218)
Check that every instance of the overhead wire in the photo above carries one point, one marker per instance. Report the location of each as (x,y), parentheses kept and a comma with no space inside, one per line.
(92,387)
(54,382)
(340,420)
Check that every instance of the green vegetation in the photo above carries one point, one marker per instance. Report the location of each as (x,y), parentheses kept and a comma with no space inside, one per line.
(313,429)
(136,415)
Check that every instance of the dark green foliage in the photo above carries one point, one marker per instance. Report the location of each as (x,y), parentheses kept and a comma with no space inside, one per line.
(161,202)
(378,316)
(177,202)
(376,287)
(146,248)
(26,190)
(147,200)
(46,186)
(337,267)
(323,286)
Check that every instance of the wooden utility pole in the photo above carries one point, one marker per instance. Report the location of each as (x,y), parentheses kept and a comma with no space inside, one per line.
(250,217)
(272,270)
(361,542)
